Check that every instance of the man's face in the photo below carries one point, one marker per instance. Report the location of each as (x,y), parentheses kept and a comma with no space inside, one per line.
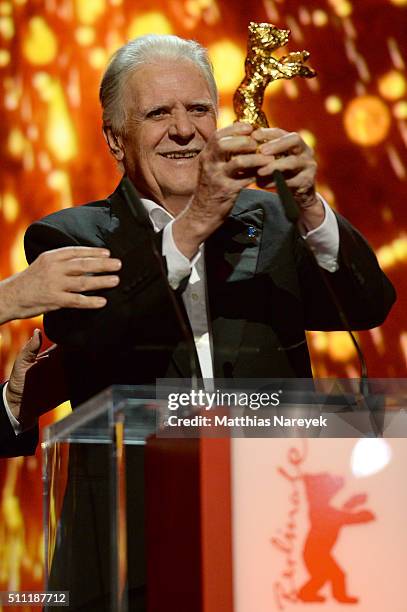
(171,116)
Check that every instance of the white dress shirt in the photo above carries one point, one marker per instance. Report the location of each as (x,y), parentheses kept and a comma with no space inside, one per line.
(15,424)
(324,242)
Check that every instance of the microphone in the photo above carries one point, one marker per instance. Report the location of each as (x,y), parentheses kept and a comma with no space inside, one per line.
(292,213)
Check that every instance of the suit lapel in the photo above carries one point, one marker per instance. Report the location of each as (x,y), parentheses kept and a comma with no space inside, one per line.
(232,256)
(128,218)
(128,226)
(238,251)
(255,241)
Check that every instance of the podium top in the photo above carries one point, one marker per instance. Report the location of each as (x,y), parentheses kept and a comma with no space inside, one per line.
(223,408)
(93,421)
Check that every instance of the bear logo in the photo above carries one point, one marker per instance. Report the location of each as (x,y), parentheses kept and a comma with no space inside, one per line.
(326,522)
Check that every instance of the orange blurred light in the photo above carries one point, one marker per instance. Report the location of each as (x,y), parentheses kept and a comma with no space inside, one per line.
(5,8)
(16,142)
(308,137)
(367,120)
(60,182)
(320,18)
(319,340)
(4,57)
(10,207)
(343,8)
(7,27)
(17,255)
(393,253)
(88,11)
(226,116)
(392,85)
(340,346)
(40,45)
(149,23)
(333,104)
(85,35)
(400,110)
(228,62)
(403,345)
(60,133)
(98,58)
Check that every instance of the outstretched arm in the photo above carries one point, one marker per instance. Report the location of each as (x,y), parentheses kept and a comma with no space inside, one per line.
(58,279)
(138,304)
(363,291)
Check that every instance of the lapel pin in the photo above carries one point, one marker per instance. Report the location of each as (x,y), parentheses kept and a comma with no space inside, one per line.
(252,231)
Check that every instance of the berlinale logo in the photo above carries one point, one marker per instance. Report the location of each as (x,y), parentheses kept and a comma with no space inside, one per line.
(325,524)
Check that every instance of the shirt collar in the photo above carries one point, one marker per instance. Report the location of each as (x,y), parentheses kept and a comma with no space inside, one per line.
(158,216)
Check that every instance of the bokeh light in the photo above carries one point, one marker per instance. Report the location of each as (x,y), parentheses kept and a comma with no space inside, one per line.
(149,22)
(354,114)
(333,104)
(367,120)
(392,85)
(228,60)
(91,10)
(40,44)
(400,110)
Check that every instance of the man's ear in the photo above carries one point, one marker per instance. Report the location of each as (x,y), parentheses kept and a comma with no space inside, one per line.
(115,143)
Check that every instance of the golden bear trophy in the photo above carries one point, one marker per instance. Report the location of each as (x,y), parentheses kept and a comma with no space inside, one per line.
(262,68)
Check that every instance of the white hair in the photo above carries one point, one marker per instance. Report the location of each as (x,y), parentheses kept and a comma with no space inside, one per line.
(141,51)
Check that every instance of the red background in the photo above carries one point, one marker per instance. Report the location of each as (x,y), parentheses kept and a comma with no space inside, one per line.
(53,155)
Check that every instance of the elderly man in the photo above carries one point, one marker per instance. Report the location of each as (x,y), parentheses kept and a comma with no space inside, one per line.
(213,273)
(215,280)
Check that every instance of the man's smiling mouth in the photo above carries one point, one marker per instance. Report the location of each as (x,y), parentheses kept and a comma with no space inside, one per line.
(180,154)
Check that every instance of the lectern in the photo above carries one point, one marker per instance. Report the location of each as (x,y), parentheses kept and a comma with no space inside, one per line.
(127,515)
(148,510)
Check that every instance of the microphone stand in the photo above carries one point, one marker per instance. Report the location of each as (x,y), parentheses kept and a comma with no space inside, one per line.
(132,197)
(292,213)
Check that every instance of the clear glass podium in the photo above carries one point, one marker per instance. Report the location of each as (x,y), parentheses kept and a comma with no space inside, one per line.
(84,476)
(141,485)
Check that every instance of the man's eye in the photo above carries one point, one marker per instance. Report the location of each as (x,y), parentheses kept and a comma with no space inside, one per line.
(157,113)
(199,109)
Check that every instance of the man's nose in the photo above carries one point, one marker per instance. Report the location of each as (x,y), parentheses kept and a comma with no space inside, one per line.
(181,125)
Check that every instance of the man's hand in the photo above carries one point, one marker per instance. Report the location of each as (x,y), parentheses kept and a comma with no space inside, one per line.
(58,279)
(228,163)
(288,153)
(26,358)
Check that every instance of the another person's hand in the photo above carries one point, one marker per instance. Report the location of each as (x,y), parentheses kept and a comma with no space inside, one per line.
(37,382)
(58,279)
(25,359)
(287,152)
(228,164)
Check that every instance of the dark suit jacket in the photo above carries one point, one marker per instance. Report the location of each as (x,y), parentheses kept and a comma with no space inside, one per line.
(10,444)
(264,291)
(263,288)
